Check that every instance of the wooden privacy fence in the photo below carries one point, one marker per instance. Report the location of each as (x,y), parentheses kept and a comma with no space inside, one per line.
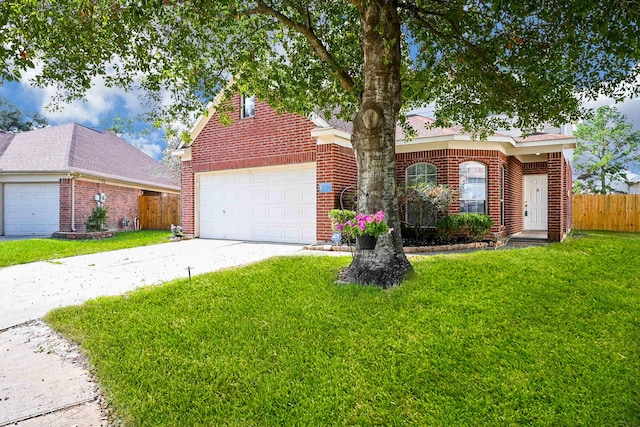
(159,212)
(614,212)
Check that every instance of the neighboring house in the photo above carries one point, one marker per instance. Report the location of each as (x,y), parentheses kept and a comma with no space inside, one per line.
(274,177)
(52,178)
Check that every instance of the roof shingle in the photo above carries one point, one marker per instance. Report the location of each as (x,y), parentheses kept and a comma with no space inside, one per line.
(75,148)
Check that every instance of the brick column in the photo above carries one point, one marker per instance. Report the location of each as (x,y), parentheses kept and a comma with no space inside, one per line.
(188,198)
(65,204)
(336,165)
(568,175)
(556,197)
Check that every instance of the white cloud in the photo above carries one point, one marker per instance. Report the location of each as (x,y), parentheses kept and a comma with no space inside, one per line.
(152,145)
(100,101)
(100,106)
(629,107)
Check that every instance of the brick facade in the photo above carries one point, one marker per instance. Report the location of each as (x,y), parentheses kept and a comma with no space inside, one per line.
(335,165)
(120,202)
(271,139)
(188,198)
(513,196)
(447,163)
(559,197)
(267,139)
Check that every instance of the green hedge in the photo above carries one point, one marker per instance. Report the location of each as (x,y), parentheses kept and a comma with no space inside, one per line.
(473,227)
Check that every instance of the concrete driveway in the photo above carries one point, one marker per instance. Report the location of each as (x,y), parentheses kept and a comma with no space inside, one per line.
(44,379)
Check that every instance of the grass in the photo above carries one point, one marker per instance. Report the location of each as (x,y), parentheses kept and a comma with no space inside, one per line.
(22,251)
(538,336)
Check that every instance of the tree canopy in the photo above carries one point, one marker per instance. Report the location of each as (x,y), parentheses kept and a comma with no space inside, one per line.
(483,64)
(13,119)
(607,147)
(475,60)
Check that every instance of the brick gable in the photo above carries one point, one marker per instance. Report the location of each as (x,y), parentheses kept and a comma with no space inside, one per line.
(267,139)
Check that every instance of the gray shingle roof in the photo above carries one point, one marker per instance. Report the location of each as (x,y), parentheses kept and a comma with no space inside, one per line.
(420,123)
(73,148)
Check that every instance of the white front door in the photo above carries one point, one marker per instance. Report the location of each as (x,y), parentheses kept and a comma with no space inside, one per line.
(535,202)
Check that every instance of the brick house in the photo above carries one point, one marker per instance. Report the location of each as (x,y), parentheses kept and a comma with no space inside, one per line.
(50,179)
(274,177)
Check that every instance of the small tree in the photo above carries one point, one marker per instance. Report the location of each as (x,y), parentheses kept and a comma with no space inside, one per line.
(606,147)
(420,204)
(13,119)
(97,221)
(171,163)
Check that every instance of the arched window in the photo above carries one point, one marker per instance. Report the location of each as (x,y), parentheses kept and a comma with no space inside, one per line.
(419,214)
(473,188)
(421,173)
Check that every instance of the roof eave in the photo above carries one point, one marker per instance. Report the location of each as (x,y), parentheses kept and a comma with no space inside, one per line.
(332,136)
(184,154)
(147,185)
(204,119)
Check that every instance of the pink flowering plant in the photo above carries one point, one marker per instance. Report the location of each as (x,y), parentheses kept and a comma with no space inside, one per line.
(361,224)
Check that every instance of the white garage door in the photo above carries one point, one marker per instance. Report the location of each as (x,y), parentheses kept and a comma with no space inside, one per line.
(262,204)
(31,209)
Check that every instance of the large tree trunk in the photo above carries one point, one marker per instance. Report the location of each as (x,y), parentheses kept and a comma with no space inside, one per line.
(373,139)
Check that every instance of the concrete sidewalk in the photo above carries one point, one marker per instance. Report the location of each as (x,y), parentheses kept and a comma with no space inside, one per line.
(44,380)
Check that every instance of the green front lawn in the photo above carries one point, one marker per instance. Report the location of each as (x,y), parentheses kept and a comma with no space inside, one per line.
(538,336)
(22,251)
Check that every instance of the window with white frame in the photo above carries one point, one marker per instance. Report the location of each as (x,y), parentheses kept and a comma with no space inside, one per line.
(473,188)
(247,106)
(418,213)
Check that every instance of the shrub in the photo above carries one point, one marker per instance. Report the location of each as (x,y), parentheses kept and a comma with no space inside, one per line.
(340,216)
(420,204)
(472,227)
(97,221)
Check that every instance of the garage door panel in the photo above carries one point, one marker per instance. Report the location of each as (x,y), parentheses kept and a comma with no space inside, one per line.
(259,232)
(244,196)
(293,195)
(293,176)
(276,215)
(263,205)
(259,178)
(276,234)
(276,195)
(260,195)
(238,179)
(308,214)
(292,214)
(309,197)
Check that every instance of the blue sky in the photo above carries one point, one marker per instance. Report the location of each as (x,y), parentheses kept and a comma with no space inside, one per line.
(101,106)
